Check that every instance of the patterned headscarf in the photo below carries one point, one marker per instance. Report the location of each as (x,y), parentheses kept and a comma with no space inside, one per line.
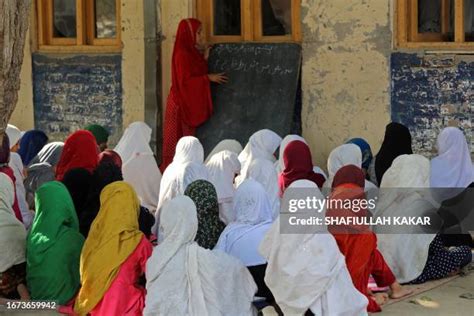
(210,226)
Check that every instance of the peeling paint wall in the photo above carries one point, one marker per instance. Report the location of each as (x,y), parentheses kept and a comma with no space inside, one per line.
(431,92)
(346,77)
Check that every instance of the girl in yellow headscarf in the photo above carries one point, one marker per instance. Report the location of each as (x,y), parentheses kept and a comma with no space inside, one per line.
(114,257)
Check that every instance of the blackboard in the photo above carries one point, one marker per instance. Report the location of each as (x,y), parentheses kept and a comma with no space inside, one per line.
(261,92)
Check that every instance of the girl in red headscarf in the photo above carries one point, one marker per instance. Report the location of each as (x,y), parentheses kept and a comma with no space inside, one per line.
(189,101)
(5,168)
(80,151)
(357,242)
(298,166)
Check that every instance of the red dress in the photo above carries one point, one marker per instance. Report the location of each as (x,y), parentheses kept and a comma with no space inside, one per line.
(358,243)
(189,102)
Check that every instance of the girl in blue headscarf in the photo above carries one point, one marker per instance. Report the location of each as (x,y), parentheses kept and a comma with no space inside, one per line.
(366,152)
(30,145)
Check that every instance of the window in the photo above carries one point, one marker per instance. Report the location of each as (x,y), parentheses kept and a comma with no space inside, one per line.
(435,24)
(78,25)
(250,20)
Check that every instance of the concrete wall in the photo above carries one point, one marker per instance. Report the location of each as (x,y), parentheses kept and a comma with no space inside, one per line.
(346,77)
(171,12)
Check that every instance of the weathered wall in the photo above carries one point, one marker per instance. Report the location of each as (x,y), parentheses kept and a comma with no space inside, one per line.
(171,12)
(133,61)
(71,92)
(346,77)
(431,92)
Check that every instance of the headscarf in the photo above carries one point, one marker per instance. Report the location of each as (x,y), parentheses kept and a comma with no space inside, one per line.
(453,167)
(139,165)
(4,151)
(6,169)
(110,156)
(263,171)
(397,141)
(14,135)
(185,279)
(280,163)
(187,61)
(41,169)
(18,171)
(54,246)
(365,149)
(100,133)
(356,242)
(307,271)
(223,167)
(225,145)
(253,218)
(210,226)
(30,145)
(12,231)
(80,151)
(262,144)
(189,151)
(78,182)
(105,174)
(114,235)
(298,165)
(405,193)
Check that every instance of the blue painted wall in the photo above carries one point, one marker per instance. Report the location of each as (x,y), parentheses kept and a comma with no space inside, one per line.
(73,91)
(429,93)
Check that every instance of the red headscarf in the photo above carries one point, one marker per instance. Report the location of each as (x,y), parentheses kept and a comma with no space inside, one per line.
(189,75)
(356,243)
(298,166)
(110,156)
(80,151)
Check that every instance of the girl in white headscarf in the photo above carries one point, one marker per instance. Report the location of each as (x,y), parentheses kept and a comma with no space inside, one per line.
(14,136)
(12,245)
(262,144)
(185,279)
(187,167)
(414,257)
(263,171)
(308,272)
(223,167)
(225,145)
(139,166)
(347,154)
(242,237)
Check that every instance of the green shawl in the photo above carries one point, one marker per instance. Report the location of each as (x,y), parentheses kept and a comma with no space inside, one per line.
(54,246)
(100,133)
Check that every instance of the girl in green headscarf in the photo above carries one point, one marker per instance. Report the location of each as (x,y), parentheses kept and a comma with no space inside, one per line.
(54,246)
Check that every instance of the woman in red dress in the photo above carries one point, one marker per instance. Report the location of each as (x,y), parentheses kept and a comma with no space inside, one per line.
(189,102)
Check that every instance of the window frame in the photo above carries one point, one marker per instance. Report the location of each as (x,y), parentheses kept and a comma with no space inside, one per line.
(407,28)
(251,23)
(85,40)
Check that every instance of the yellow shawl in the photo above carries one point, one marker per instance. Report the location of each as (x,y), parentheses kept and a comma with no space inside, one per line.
(114,235)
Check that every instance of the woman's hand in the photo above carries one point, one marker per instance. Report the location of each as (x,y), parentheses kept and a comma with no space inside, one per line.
(218,78)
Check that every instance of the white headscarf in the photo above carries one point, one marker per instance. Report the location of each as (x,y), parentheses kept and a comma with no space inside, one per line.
(405,254)
(222,168)
(253,218)
(227,144)
(18,170)
(14,135)
(12,231)
(280,164)
(185,279)
(452,168)
(139,166)
(262,144)
(263,171)
(347,154)
(307,271)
